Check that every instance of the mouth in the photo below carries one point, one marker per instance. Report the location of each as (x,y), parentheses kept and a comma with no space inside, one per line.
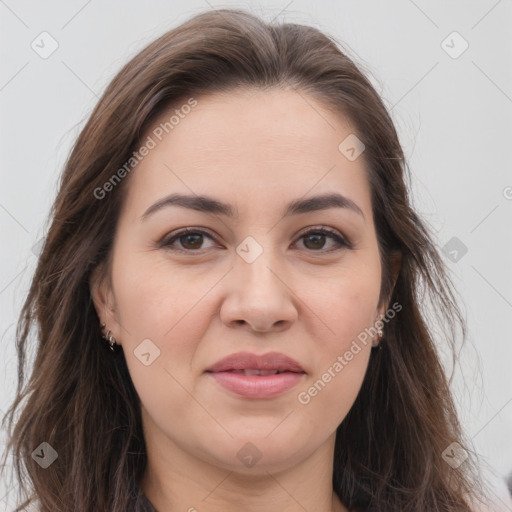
(257,376)
(253,371)
(273,362)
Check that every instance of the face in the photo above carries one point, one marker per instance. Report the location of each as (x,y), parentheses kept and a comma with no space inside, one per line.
(303,282)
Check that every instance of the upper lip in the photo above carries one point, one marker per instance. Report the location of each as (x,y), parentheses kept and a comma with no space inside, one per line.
(249,361)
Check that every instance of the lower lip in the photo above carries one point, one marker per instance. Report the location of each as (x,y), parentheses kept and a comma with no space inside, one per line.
(257,386)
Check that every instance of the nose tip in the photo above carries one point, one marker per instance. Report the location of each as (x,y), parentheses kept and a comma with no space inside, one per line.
(257,297)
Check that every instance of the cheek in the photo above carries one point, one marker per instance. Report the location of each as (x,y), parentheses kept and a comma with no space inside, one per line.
(153,299)
(346,309)
(331,392)
(155,304)
(347,304)
(156,301)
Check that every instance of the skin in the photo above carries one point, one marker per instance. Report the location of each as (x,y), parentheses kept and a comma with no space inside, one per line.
(306,298)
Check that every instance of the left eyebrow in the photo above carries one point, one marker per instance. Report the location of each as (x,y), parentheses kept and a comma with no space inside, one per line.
(207,204)
(322,202)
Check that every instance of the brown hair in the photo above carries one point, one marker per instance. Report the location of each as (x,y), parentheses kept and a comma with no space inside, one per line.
(80,399)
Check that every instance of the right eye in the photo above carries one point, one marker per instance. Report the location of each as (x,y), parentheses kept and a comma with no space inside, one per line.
(189,239)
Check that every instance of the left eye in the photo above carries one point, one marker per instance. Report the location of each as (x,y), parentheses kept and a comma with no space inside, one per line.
(318,236)
(314,239)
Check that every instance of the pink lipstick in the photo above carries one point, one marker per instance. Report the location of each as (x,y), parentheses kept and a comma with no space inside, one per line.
(257,376)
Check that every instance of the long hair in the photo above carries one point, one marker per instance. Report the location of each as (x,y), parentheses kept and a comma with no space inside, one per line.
(79,397)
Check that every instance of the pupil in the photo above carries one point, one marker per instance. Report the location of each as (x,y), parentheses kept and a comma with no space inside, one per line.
(316,239)
(190,238)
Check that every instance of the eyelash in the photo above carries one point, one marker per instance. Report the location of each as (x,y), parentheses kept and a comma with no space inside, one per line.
(343,242)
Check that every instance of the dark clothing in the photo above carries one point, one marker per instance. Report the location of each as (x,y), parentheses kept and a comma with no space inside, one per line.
(140,503)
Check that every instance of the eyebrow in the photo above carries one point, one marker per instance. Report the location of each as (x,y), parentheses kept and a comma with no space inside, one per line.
(210,205)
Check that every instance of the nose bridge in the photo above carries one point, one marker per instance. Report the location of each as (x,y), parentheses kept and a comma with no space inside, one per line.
(258,295)
(256,264)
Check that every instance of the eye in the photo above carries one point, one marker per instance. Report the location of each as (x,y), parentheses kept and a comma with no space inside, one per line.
(189,239)
(315,239)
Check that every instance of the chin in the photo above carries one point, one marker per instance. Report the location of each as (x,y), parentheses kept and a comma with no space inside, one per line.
(259,454)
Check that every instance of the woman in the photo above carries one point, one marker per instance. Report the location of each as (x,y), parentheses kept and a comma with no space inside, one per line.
(229,298)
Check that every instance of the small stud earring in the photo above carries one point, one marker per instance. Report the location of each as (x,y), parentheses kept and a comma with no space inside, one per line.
(380,334)
(108,336)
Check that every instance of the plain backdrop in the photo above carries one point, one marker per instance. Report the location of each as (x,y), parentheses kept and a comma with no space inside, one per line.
(444,69)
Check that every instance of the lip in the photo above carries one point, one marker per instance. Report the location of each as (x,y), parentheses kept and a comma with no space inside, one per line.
(228,373)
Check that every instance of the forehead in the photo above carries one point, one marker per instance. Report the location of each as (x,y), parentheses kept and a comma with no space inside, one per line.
(248,144)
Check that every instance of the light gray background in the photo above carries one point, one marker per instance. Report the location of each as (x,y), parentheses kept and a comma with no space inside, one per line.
(454,116)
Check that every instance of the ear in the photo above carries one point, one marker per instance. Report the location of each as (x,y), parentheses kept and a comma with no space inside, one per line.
(395,263)
(103,298)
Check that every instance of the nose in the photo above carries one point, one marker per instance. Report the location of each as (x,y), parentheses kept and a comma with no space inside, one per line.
(259,298)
